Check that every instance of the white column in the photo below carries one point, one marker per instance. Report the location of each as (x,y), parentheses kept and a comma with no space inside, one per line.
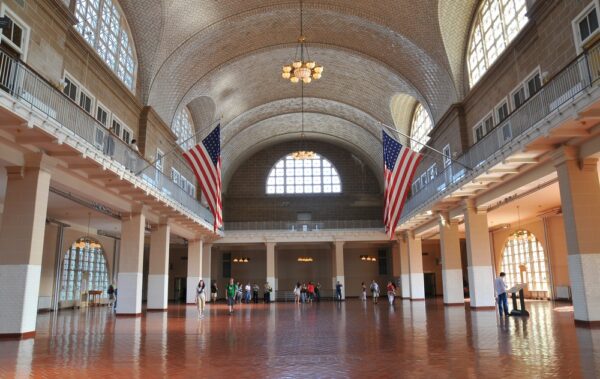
(158,273)
(580,200)
(194,273)
(206,268)
(131,261)
(21,248)
(479,257)
(338,267)
(415,264)
(404,267)
(452,276)
(272,268)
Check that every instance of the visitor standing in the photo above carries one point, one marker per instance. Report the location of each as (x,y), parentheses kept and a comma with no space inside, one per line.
(111,296)
(201,298)
(255,290)
(268,290)
(213,291)
(297,293)
(500,287)
(318,292)
(303,293)
(311,292)
(248,292)
(391,292)
(374,291)
(230,292)
(363,293)
(338,291)
(239,292)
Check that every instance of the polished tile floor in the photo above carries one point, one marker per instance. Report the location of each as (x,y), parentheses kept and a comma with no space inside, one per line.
(326,340)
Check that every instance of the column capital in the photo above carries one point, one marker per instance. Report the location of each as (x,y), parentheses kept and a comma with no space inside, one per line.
(469,204)
(338,242)
(563,154)
(270,244)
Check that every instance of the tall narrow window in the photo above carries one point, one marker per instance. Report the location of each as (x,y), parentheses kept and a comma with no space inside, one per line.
(184,129)
(421,126)
(298,176)
(103,26)
(496,24)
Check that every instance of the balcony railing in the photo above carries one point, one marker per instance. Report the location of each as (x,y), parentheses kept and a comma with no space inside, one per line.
(581,73)
(304,226)
(27,86)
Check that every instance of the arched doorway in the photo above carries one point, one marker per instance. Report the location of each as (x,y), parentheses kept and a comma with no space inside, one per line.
(84,269)
(524,261)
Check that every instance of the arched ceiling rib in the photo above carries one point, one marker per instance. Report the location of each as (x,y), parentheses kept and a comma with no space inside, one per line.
(203,110)
(402,107)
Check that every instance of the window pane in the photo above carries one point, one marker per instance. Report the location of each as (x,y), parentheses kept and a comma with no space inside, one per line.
(303,176)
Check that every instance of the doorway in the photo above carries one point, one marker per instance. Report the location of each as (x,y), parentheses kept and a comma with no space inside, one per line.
(180,290)
(429,278)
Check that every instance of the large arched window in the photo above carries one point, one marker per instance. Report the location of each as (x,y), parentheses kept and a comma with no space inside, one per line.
(84,269)
(496,24)
(104,27)
(420,128)
(293,176)
(524,261)
(183,129)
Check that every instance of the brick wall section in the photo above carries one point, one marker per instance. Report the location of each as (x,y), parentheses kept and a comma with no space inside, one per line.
(246,199)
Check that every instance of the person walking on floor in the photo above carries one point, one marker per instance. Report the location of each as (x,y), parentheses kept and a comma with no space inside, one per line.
(213,291)
(310,289)
(201,298)
(297,293)
(374,291)
(318,292)
(391,292)
(363,293)
(500,287)
(230,293)
(338,291)
(248,292)
(303,293)
(255,289)
(268,290)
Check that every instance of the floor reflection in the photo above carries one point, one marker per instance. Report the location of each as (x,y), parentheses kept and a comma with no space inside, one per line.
(351,339)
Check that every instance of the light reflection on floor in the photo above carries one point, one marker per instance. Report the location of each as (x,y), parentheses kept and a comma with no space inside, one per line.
(352,339)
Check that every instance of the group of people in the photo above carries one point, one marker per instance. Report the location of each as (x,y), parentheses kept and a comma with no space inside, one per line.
(307,293)
(375,291)
(235,293)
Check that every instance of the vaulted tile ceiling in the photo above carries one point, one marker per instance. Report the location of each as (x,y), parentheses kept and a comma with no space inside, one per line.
(224,58)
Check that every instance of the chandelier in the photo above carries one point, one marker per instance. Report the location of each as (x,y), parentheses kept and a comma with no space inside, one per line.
(522,234)
(305,259)
(241,260)
(87,242)
(368,258)
(302,154)
(301,69)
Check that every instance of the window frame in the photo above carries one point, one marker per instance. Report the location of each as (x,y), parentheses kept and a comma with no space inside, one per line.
(482,124)
(579,43)
(289,183)
(524,85)
(424,139)
(506,101)
(26,35)
(106,110)
(84,92)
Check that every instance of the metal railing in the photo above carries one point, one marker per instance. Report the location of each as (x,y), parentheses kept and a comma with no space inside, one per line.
(581,73)
(27,86)
(304,226)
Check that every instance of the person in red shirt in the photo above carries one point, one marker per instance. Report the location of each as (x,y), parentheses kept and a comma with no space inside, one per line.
(311,292)
(391,292)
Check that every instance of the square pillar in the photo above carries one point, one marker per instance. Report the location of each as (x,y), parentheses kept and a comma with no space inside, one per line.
(129,282)
(452,275)
(404,267)
(479,257)
(338,267)
(158,273)
(580,201)
(415,265)
(21,249)
(395,260)
(272,268)
(194,272)
(206,268)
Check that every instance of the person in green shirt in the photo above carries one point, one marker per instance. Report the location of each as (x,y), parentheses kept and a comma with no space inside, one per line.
(230,291)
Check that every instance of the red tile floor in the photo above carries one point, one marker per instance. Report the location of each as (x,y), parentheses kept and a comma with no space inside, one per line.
(326,340)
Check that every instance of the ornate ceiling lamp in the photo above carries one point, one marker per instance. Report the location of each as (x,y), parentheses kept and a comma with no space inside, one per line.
(302,153)
(300,69)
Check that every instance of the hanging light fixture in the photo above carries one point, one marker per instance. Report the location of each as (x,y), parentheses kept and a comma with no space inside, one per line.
(302,153)
(520,233)
(368,258)
(300,69)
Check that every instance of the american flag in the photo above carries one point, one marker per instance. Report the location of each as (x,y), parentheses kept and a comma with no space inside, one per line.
(399,166)
(205,159)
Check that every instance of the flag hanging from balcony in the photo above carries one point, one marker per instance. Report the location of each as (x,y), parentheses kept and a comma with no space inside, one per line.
(399,166)
(205,159)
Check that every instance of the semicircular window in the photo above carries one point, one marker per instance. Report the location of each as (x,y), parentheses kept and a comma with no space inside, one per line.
(301,176)
(420,128)
(84,269)
(496,24)
(183,129)
(103,25)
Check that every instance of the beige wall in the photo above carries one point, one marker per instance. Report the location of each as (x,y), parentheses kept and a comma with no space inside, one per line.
(357,271)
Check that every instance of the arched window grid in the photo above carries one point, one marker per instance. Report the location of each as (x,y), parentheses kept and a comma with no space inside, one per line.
(524,261)
(84,269)
(103,26)
(184,130)
(496,24)
(420,128)
(303,176)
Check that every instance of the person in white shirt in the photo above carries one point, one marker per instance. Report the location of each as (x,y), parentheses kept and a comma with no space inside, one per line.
(375,291)
(201,298)
(500,287)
